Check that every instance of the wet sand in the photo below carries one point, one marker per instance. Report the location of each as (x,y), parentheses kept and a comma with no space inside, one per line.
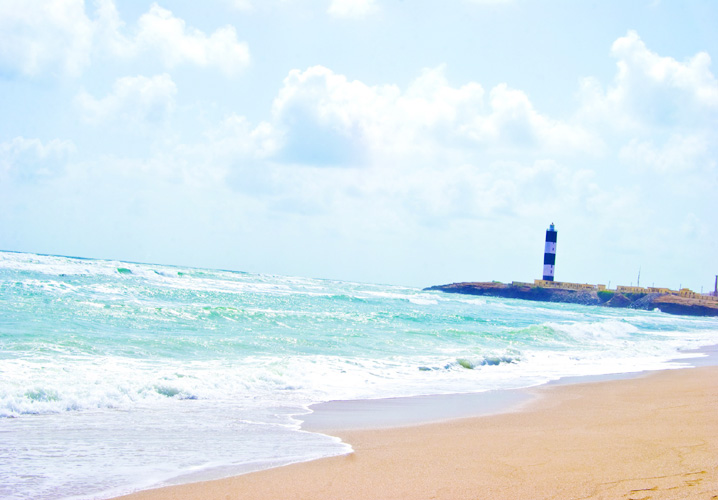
(651,437)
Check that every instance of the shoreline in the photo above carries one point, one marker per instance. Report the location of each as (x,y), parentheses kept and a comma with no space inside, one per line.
(370,414)
(395,442)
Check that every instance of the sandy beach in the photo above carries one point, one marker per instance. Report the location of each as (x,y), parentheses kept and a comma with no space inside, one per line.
(652,437)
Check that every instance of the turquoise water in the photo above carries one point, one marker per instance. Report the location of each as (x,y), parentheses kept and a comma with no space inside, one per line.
(116,376)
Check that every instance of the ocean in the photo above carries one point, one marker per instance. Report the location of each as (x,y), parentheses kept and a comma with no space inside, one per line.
(117,376)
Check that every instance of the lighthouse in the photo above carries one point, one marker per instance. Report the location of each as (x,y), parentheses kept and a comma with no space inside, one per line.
(549,256)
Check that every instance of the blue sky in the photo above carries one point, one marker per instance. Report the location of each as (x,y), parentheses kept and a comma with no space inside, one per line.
(410,142)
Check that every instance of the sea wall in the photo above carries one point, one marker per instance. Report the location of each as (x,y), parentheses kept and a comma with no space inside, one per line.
(667,303)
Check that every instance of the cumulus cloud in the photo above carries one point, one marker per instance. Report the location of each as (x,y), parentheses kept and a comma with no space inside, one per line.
(428,153)
(169,37)
(638,65)
(650,90)
(39,36)
(328,119)
(322,115)
(512,121)
(679,154)
(234,151)
(59,37)
(433,152)
(352,9)
(27,159)
(660,116)
(236,137)
(418,163)
(139,99)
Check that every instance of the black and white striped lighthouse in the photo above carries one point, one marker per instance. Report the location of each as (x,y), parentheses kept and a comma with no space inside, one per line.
(549,256)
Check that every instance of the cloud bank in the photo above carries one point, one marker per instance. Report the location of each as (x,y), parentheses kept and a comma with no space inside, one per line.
(334,170)
(60,38)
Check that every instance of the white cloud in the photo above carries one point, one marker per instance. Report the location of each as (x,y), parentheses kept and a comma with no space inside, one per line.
(328,119)
(161,32)
(57,36)
(352,9)
(234,151)
(638,65)
(236,138)
(659,116)
(139,98)
(678,155)
(27,159)
(430,153)
(651,91)
(513,122)
(109,29)
(38,36)
(415,171)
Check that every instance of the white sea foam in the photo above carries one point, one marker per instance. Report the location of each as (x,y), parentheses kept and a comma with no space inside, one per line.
(93,359)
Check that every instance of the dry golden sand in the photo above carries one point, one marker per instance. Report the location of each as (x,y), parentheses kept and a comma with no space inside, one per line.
(654,437)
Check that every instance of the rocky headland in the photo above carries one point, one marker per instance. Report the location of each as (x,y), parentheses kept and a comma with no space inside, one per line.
(667,303)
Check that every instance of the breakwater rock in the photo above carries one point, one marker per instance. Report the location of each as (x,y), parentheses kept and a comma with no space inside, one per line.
(668,303)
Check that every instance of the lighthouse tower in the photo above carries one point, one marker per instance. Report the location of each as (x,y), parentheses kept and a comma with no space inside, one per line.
(549,256)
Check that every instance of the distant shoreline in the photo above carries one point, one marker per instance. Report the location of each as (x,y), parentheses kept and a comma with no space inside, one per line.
(667,303)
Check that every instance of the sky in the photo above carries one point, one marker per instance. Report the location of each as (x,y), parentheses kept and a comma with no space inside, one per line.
(410,142)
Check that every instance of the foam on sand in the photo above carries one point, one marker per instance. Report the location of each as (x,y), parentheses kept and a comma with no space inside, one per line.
(647,437)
